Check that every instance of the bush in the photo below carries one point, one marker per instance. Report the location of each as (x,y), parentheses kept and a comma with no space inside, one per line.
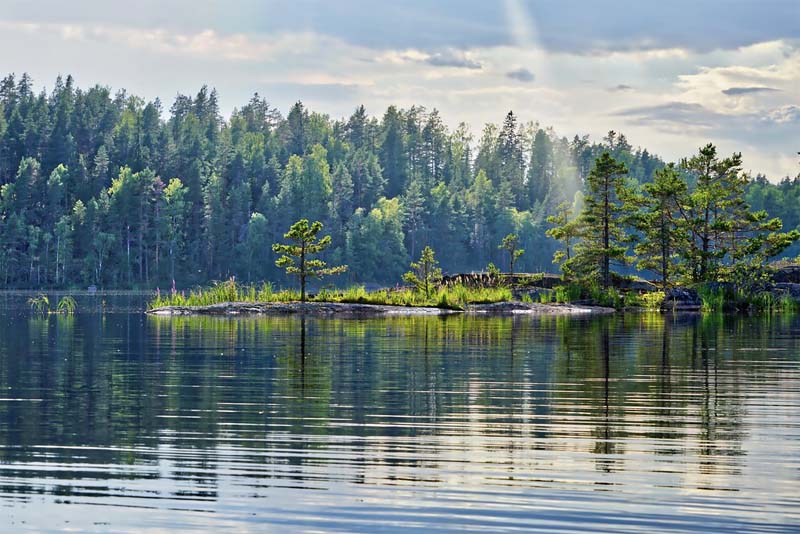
(653,300)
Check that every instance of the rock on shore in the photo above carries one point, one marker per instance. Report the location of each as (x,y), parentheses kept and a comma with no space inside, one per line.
(372,310)
(681,299)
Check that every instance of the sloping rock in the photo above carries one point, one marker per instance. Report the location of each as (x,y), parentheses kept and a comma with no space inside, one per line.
(327,309)
(528,308)
(788,274)
(632,284)
(295,308)
(516,280)
(681,299)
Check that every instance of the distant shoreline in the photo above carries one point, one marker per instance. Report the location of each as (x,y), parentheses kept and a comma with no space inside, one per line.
(232,309)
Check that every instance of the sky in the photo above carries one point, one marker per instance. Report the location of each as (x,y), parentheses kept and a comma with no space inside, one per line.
(672,76)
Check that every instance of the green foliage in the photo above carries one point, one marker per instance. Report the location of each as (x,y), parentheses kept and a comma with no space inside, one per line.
(713,298)
(663,230)
(227,291)
(510,244)
(104,188)
(452,297)
(40,304)
(723,228)
(425,273)
(568,293)
(297,257)
(609,297)
(603,225)
(67,305)
(566,229)
(493,271)
(707,233)
(652,300)
(717,299)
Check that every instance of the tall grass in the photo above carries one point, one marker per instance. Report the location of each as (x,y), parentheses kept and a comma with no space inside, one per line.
(449,297)
(568,293)
(713,299)
(609,297)
(67,305)
(735,300)
(40,305)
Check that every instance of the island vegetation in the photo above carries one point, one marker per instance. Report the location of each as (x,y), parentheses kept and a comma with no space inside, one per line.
(106,189)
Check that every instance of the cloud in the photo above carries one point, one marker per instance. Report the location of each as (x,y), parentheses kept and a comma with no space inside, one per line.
(459,56)
(784,115)
(315,93)
(521,75)
(573,26)
(452,58)
(739,91)
(672,113)
(766,125)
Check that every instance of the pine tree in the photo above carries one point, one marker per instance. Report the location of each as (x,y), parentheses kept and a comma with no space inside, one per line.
(510,244)
(297,257)
(174,214)
(425,273)
(391,152)
(663,231)
(711,209)
(606,213)
(541,172)
(566,229)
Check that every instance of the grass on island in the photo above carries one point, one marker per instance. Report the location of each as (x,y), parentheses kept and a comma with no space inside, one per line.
(449,297)
(609,298)
(721,299)
(458,297)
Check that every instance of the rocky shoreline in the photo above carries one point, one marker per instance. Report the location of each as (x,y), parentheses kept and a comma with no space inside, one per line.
(326,309)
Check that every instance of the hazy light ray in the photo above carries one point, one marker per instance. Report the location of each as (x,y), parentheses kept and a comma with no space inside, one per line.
(525,36)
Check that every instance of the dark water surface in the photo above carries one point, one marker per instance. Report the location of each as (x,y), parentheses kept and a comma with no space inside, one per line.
(118,422)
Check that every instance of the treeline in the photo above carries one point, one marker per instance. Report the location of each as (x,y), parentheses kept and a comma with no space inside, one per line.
(691,225)
(105,188)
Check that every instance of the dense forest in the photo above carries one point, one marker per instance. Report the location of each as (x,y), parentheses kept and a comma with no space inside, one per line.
(107,189)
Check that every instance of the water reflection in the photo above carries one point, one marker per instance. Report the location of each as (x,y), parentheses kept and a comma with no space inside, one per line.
(439,424)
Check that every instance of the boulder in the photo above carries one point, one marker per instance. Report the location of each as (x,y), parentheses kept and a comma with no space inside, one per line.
(639,285)
(787,288)
(787,274)
(516,280)
(681,299)
(631,283)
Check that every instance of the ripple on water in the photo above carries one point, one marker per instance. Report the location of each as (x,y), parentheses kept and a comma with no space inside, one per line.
(433,424)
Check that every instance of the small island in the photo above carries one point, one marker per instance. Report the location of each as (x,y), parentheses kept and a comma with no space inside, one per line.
(709,249)
(427,293)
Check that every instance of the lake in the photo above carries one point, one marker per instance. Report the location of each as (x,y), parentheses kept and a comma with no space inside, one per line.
(113,421)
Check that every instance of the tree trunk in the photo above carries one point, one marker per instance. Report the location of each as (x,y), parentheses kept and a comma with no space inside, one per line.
(606,238)
(128,249)
(664,254)
(303,273)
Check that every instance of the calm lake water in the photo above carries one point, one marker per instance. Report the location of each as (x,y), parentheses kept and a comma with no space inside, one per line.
(119,422)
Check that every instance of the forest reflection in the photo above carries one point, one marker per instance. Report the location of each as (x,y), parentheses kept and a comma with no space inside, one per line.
(407,400)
